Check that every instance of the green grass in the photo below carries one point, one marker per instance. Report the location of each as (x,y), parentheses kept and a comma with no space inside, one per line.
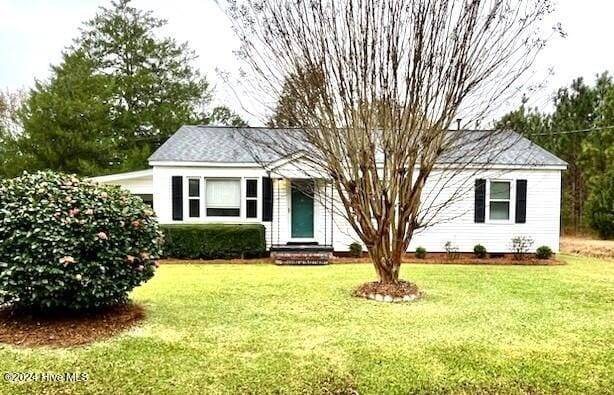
(266,329)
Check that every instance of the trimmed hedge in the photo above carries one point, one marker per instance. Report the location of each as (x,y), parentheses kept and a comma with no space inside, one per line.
(214,241)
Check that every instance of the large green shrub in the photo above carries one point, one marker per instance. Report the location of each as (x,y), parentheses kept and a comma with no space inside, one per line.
(66,243)
(420,252)
(214,241)
(600,206)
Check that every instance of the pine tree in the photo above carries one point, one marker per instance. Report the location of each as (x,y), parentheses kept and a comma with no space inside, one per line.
(119,92)
(156,89)
(67,121)
(579,132)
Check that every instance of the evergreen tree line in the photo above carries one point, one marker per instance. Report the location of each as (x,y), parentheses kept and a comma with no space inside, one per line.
(580,130)
(119,92)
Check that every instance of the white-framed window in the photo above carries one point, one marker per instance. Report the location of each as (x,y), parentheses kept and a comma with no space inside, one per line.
(194,197)
(251,198)
(500,200)
(223,197)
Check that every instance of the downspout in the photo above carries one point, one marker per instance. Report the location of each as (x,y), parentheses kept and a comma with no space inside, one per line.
(332,218)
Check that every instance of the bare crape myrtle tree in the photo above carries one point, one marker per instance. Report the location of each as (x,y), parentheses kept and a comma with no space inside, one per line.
(374,87)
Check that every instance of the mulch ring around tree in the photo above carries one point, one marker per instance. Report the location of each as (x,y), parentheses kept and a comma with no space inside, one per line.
(403,291)
(68,328)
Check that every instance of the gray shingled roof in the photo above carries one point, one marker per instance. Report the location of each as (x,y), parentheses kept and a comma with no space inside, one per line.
(498,147)
(207,144)
(230,145)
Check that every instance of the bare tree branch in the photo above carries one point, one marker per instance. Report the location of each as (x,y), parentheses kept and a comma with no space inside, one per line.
(375,85)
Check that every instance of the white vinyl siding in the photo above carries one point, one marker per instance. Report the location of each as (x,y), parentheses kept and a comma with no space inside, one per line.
(162,191)
(456,222)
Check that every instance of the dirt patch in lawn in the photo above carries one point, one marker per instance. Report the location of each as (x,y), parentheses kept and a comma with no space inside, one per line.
(403,291)
(68,328)
(589,247)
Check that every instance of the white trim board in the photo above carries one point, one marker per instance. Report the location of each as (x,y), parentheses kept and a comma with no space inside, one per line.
(123,176)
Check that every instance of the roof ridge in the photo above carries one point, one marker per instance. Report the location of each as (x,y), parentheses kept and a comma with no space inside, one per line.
(206,126)
(225,144)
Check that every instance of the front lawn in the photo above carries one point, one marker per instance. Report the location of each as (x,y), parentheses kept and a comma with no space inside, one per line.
(268,329)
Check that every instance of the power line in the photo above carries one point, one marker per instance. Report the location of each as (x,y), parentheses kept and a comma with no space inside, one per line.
(573,131)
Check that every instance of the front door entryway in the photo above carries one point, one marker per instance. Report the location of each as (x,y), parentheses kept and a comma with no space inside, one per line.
(301,210)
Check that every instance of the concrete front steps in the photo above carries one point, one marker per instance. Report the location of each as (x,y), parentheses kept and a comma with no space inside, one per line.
(301,254)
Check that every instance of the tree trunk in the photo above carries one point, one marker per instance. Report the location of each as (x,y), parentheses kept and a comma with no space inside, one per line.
(387,263)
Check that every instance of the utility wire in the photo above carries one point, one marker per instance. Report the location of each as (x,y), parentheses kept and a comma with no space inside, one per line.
(573,131)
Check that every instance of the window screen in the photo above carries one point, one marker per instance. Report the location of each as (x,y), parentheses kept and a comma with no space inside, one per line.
(252,208)
(194,197)
(194,208)
(499,200)
(194,187)
(251,188)
(251,201)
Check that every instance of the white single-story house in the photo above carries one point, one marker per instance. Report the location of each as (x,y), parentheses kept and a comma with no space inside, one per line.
(206,174)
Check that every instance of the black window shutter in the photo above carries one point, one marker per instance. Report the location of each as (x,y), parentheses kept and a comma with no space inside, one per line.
(480,201)
(177,195)
(267,199)
(521,201)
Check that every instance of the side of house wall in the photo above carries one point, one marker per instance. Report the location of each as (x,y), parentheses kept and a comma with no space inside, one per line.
(454,222)
(136,185)
(162,176)
(451,197)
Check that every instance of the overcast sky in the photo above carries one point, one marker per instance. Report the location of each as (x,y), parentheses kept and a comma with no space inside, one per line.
(34,32)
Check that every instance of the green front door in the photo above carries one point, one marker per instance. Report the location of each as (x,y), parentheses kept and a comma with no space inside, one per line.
(302,211)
